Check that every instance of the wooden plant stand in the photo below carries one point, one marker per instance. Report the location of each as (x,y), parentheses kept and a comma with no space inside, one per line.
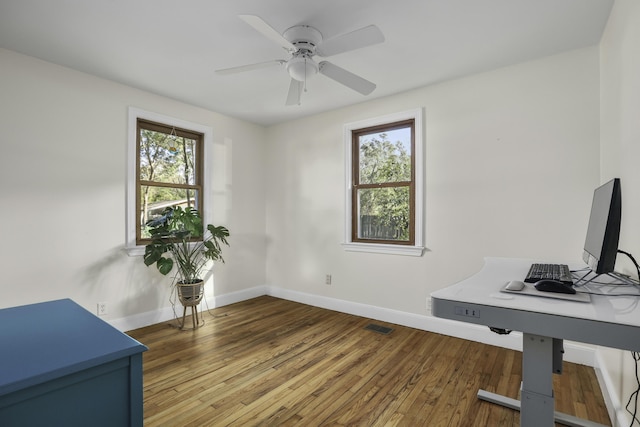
(190,295)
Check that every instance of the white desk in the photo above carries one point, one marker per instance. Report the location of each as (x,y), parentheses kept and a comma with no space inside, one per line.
(545,323)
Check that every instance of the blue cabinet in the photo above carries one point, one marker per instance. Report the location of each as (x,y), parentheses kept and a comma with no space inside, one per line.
(62,366)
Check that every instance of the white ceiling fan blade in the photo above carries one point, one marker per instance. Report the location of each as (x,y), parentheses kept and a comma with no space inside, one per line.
(250,67)
(346,78)
(295,91)
(267,30)
(356,39)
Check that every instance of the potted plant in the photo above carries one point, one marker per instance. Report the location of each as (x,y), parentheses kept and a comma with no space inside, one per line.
(178,238)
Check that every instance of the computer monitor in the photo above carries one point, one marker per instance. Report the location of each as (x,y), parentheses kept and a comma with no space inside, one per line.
(603,232)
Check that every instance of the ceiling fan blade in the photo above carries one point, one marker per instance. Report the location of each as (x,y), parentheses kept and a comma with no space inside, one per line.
(346,78)
(295,91)
(356,39)
(267,30)
(250,67)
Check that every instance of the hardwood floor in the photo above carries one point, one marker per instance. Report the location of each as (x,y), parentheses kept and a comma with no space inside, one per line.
(273,362)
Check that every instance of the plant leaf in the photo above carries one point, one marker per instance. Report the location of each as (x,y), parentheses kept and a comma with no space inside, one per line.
(151,256)
(165,265)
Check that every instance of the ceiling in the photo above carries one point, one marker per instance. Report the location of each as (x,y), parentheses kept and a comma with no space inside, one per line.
(173,47)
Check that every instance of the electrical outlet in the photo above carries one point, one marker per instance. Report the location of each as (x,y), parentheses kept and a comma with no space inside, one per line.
(429,305)
(327,279)
(102,309)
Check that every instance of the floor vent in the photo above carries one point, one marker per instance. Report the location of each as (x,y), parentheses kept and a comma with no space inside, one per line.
(379,329)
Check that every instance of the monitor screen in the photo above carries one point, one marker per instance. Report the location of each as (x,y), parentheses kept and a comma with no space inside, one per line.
(603,232)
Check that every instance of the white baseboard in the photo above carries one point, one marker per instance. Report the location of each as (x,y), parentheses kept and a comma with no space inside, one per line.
(574,352)
(615,406)
(239,296)
(142,319)
(167,313)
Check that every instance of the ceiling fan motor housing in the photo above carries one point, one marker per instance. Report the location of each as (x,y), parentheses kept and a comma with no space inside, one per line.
(304,37)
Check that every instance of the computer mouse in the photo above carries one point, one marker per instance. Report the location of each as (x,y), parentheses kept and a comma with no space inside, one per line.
(547,285)
(515,285)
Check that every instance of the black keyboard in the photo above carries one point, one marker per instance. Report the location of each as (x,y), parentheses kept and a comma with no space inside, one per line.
(558,272)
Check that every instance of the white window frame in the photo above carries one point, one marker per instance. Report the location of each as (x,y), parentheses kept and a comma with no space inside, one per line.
(418,247)
(131,216)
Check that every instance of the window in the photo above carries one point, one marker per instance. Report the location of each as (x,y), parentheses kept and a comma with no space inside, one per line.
(384,191)
(169,172)
(167,166)
(383,184)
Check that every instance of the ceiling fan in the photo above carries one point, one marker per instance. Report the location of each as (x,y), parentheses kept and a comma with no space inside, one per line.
(303,42)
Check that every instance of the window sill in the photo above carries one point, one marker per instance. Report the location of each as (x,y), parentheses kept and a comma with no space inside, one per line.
(383,249)
(135,250)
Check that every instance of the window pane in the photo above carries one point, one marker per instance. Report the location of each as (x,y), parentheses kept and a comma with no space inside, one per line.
(383,213)
(153,200)
(385,156)
(167,158)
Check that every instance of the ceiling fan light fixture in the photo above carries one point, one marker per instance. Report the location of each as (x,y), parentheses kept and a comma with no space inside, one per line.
(301,68)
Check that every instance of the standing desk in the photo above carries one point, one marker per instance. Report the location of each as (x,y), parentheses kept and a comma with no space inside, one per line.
(545,322)
(62,366)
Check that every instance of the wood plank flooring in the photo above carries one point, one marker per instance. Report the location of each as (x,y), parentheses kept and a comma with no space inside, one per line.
(272,362)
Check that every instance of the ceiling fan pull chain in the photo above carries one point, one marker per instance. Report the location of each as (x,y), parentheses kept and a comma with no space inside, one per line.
(305,73)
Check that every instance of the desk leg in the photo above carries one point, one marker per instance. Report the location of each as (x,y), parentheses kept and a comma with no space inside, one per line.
(541,357)
(536,395)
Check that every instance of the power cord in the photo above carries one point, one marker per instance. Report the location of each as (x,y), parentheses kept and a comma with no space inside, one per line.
(634,396)
(633,260)
(636,357)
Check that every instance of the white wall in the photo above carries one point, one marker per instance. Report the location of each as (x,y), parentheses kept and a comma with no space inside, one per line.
(512,158)
(62,185)
(620,154)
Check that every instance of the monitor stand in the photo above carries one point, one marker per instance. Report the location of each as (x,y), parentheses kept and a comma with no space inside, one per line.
(583,281)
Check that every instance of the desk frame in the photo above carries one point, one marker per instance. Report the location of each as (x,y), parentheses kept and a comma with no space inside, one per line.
(536,392)
(543,336)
